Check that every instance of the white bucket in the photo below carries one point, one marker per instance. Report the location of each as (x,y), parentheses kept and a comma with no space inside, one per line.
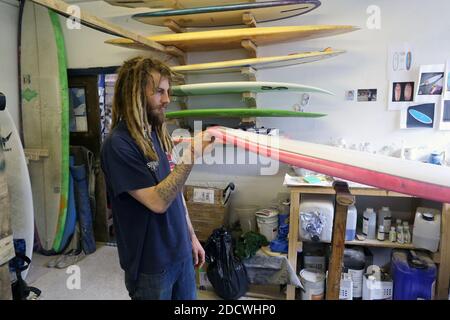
(313,282)
(246,215)
(267,220)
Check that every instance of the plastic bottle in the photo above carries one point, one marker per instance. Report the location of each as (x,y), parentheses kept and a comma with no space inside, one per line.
(393,235)
(407,234)
(380,234)
(400,234)
(385,219)
(369,223)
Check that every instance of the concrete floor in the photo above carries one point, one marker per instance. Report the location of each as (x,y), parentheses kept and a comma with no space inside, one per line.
(101,278)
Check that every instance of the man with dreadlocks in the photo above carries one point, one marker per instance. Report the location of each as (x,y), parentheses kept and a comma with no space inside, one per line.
(156,242)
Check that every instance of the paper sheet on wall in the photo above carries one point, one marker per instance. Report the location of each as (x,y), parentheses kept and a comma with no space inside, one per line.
(402,74)
(444,110)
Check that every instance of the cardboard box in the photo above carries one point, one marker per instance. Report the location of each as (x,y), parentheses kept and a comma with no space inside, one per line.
(208,208)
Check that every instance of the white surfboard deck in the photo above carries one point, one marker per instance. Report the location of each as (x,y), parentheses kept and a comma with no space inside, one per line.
(227,15)
(19,185)
(241,87)
(409,177)
(257,63)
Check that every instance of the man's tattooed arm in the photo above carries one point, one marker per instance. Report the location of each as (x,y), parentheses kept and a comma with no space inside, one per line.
(173,183)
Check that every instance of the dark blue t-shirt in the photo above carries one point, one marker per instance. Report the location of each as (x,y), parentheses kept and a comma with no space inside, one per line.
(147,242)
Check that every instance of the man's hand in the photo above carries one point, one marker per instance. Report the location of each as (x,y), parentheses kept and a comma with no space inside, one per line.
(200,144)
(198,252)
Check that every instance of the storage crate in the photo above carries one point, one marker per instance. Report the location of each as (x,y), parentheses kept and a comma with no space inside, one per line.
(208,208)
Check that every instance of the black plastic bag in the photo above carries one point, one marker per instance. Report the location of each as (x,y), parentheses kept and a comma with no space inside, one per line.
(225,271)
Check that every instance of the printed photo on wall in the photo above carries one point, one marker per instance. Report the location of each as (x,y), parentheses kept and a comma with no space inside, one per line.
(431,83)
(365,95)
(350,95)
(402,91)
(444,122)
(447,81)
(418,116)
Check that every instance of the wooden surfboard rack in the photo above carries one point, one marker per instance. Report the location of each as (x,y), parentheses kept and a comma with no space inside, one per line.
(251,48)
(175,27)
(249,20)
(35,154)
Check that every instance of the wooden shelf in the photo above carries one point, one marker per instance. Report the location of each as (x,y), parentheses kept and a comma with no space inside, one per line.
(380,244)
(442,257)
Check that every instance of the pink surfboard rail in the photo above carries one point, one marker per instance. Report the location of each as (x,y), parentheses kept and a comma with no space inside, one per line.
(408,177)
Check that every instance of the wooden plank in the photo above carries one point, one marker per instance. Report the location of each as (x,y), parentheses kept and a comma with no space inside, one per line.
(355,191)
(249,20)
(249,98)
(444,252)
(249,73)
(293,238)
(343,200)
(381,244)
(100,24)
(175,27)
(251,48)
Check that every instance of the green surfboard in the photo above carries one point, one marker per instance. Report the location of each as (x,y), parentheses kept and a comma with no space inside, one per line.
(239,113)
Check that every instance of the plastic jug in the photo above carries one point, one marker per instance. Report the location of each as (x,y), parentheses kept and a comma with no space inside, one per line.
(369,223)
(414,275)
(350,229)
(427,229)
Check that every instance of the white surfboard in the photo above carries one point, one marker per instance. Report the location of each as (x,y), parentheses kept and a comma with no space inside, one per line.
(241,87)
(19,186)
(257,63)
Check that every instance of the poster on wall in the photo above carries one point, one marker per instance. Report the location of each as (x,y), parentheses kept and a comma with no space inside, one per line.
(402,75)
(431,83)
(400,60)
(444,114)
(401,93)
(418,116)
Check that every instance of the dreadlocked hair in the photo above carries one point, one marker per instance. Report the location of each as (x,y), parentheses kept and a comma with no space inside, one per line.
(130,102)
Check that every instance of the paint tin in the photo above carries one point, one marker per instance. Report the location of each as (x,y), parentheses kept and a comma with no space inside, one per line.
(313,282)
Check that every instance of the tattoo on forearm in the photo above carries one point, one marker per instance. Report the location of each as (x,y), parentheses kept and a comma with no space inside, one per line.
(173,183)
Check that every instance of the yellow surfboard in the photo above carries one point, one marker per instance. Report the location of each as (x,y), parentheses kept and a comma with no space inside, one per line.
(257,63)
(232,38)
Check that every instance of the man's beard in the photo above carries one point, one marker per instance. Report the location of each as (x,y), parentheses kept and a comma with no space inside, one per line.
(156,120)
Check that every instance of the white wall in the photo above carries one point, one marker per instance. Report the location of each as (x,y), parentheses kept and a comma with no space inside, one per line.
(9,77)
(363,66)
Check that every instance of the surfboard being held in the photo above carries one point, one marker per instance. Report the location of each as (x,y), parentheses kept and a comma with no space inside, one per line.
(408,177)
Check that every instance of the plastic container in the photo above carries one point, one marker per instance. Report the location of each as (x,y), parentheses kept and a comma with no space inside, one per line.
(427,229)
(414,275)
(377,285)
(393,235)
(385,219)
(247,219)
(316,219)
(346,287)
(267,221)
(350,229)
(380,234)
(354,265)
(313,283)
(369,223)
